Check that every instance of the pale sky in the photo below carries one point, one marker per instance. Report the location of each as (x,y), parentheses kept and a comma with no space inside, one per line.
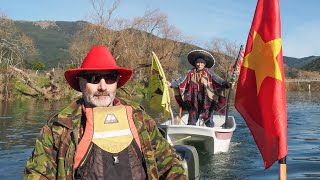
(203,20)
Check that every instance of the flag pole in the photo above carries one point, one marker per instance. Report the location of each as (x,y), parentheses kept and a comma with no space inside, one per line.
(283,168)
(180,115)
(233,79)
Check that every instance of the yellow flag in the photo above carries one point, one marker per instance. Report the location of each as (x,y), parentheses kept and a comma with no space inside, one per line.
(158,90)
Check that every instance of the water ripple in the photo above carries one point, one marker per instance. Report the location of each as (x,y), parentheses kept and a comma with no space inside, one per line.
(311,175)
(306,158)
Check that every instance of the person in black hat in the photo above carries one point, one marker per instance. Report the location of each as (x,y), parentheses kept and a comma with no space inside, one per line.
(201,92)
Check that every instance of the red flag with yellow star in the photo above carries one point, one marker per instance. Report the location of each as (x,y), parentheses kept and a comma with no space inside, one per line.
(260,96)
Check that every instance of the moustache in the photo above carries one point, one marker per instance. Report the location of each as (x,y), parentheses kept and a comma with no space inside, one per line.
(101,94)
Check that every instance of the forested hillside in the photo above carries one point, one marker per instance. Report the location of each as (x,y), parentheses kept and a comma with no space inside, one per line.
(53,40)
(313,66)
(301,62)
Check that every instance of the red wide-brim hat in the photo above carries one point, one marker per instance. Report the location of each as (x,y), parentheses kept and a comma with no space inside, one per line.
(205,55)
(99,58)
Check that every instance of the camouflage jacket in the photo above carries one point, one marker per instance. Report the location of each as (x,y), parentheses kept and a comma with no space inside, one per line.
(56,144)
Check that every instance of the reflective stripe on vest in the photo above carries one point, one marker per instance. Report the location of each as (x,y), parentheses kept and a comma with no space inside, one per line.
(110,138)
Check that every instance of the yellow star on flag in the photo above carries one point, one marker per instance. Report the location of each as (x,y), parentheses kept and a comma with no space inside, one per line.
(262,59)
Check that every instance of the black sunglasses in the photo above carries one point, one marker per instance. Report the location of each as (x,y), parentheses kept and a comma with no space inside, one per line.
(96,78)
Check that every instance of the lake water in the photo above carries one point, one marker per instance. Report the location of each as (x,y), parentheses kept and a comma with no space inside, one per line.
(20,122)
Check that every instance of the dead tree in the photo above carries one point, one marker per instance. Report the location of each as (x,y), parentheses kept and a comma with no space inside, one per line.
(50,92)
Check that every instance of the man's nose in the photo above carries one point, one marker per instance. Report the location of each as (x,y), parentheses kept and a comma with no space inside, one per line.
(102,86)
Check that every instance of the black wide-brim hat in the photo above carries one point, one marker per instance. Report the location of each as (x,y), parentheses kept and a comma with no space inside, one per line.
(195,54)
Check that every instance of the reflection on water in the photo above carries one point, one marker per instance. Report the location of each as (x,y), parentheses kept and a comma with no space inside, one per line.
(20,122)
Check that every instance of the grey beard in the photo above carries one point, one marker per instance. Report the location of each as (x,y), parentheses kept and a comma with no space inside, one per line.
(92,100)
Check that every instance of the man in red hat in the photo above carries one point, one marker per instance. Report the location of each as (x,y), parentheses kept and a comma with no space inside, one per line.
(200,92)
(101,136)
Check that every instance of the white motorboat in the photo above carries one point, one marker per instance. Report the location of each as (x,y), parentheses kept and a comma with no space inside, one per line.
(215,139)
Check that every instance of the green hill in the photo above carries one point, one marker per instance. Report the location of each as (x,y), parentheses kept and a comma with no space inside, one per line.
(52,39)
(291,61)
(300,62)
(313,66)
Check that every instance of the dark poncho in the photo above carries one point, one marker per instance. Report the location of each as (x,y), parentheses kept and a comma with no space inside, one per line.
(206,99)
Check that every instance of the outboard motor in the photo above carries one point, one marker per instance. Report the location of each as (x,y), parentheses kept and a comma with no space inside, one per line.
(189,155)
(190,160)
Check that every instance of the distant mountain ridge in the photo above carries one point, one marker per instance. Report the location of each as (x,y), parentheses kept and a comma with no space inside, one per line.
(52,39)
(299,62)
(314,65)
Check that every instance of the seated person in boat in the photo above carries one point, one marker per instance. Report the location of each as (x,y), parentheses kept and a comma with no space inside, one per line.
(101,136)
(201,92)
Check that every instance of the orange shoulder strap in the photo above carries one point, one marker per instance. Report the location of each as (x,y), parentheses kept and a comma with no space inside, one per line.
(133,127)
(86,139)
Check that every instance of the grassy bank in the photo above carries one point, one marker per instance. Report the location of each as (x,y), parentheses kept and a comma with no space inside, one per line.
(313,86)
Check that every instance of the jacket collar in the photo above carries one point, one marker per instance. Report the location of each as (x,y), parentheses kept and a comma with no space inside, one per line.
(71,114)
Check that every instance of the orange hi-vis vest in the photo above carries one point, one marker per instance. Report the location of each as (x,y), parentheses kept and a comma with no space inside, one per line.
(110,128)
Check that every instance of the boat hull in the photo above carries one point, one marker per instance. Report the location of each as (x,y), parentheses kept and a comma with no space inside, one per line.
(214,139)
